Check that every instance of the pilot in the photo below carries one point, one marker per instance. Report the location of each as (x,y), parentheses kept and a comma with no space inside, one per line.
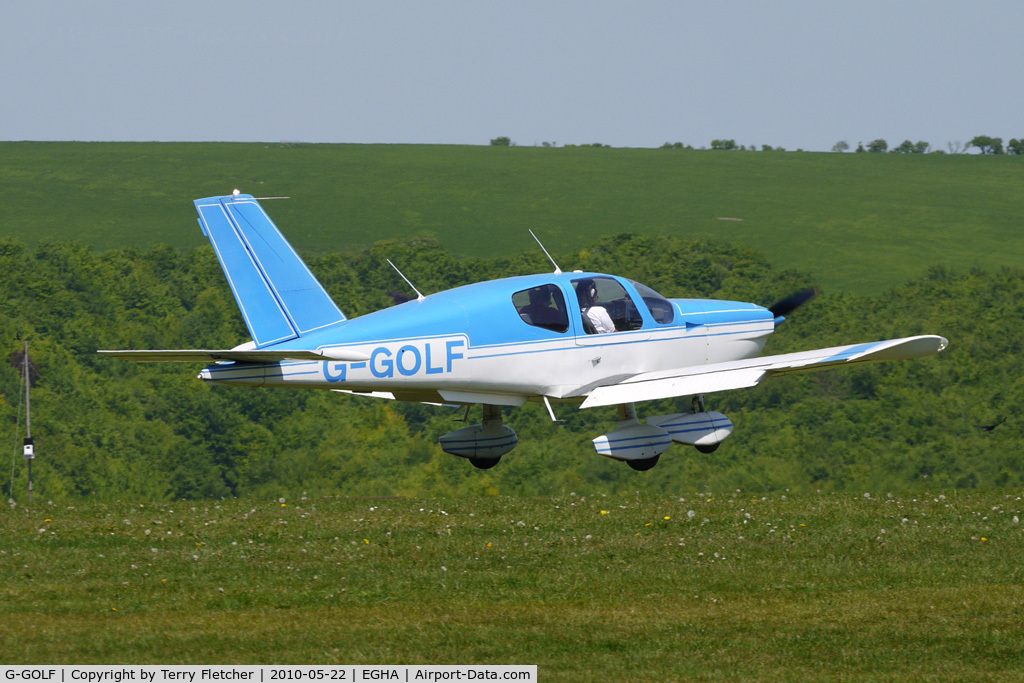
(598,317)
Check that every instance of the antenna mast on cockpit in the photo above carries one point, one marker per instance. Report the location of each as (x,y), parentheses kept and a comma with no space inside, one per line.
(419,297)
(558,271)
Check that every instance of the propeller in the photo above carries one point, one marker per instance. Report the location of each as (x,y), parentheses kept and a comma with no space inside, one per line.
(783,307)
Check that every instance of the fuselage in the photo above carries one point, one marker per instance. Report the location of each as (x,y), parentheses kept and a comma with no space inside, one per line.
(494,342)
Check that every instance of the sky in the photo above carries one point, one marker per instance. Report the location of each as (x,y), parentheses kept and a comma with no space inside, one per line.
(798,74)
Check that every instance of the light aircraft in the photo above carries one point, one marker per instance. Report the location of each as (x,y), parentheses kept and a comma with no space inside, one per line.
(582,337)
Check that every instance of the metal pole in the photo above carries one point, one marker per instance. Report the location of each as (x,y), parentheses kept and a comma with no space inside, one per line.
(28,418)
(28,398)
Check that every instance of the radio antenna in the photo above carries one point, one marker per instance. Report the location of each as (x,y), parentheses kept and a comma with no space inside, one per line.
(419,297)
(558,271)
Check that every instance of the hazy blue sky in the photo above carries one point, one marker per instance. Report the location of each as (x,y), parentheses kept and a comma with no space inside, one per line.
(800,74)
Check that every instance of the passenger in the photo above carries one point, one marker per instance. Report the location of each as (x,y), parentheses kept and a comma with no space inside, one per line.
(539,311)
(596,315)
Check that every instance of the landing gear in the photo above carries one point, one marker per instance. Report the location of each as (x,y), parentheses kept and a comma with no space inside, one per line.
(645,464)
(481,444)
(697,406)
(639,445)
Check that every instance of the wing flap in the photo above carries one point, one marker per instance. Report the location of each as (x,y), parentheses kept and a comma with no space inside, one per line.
(742,374)
(670,387)
(455,396)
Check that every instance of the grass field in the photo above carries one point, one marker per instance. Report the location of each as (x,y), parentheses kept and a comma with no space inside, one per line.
(696,586)
(857,222)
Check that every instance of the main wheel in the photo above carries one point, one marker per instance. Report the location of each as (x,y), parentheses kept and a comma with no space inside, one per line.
(484,463)
(645,464)
(709,449)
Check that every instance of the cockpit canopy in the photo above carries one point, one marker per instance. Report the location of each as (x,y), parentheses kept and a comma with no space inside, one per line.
(603,297)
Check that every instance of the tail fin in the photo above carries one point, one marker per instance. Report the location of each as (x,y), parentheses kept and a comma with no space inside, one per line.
(278,296)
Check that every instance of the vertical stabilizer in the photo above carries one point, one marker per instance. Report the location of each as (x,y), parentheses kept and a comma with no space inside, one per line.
(277,294)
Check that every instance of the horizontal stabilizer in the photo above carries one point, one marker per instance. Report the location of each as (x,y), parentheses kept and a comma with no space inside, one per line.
(740,374)
(241,356)
(279,297)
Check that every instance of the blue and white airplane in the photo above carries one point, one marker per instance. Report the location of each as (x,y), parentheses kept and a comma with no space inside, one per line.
(583,338)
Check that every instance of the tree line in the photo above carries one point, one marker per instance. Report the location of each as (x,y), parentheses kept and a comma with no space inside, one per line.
(107,428)
(985,144)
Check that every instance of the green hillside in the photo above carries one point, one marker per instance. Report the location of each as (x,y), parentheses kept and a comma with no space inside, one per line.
(856,222)
(108,429)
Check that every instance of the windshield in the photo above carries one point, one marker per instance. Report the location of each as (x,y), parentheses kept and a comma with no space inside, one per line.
(660,308)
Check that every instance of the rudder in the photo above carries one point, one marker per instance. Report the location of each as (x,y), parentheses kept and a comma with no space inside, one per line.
(278,296)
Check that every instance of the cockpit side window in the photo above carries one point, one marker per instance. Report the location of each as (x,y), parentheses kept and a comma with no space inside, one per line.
(542,306)
(660,307)
(603,300)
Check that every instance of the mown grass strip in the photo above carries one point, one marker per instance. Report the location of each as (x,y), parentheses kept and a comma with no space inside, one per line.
(711,587)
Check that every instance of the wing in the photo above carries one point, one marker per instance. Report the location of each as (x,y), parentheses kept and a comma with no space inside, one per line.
(706,379)
(242,356)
